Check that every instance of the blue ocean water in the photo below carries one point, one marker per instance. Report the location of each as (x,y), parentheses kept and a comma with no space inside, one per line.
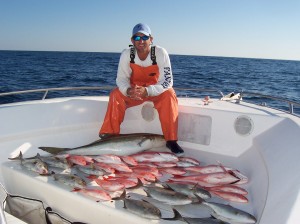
(24,70)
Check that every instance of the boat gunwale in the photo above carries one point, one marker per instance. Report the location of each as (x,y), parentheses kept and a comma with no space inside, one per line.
(290,103)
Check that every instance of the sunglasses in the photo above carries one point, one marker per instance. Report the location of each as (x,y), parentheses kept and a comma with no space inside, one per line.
(138,38)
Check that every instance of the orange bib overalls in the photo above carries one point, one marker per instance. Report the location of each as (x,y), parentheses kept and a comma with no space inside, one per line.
(165,103)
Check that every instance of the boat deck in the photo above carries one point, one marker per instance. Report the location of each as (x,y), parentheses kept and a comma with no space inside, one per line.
(51,192)
(260,142)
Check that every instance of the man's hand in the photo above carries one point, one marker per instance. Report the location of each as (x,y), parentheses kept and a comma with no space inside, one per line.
(137,92)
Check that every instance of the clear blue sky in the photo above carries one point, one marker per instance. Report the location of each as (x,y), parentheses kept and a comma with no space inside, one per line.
(234,28)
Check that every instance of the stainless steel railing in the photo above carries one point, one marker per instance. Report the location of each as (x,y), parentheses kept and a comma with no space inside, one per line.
(290,103)
(46,91)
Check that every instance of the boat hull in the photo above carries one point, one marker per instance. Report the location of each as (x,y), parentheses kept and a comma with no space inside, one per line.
(262,143)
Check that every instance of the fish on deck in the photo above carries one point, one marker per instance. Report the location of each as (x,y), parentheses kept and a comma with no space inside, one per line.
(229,214)
(35,164)
(142,208)
(70,180)
(168,196)
(121,145)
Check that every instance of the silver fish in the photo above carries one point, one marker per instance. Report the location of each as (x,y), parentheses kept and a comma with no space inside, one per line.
(49,160)
(33,164)
(37,166)
(177,216)
(229,214)
(189,190)
(142,208)
(168,196)
(90,170)
(120,145)
(56,162)
(70,180)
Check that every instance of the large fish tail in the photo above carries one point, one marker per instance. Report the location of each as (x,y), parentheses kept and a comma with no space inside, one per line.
(53,150)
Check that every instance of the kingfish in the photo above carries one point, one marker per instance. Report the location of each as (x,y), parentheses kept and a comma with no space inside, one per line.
(57,162)
(121,145)
(90,170)
(70,180)
(194,220)
(35,164)
(189,190)
(229,214)
(142,208)
(168,196)
(38,166)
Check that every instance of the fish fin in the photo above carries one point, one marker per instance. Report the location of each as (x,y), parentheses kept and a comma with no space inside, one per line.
(230,172)
(38,156)
(214,215)
(121,197)
(53,150)
(177,216)
(94,142)
(234,182)
(145,189)
(200,200)
(138,185)
(222,166)
(164,184)
(19,157)
(195,186)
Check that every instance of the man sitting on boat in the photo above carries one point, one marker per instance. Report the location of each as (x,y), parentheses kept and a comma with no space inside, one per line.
(144,74)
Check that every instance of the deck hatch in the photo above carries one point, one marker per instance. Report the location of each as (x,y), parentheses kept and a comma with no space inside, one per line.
(194,128)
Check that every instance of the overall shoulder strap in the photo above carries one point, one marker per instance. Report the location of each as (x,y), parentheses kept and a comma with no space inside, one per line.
(153,57)
(132,53)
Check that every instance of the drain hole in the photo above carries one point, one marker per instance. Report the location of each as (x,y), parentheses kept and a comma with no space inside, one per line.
(148,112)
(243,125)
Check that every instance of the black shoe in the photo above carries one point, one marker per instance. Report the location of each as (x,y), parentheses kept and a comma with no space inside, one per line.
(175,148)
(105,136)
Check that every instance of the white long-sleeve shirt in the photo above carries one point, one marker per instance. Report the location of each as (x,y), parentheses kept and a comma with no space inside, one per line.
(165,80)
